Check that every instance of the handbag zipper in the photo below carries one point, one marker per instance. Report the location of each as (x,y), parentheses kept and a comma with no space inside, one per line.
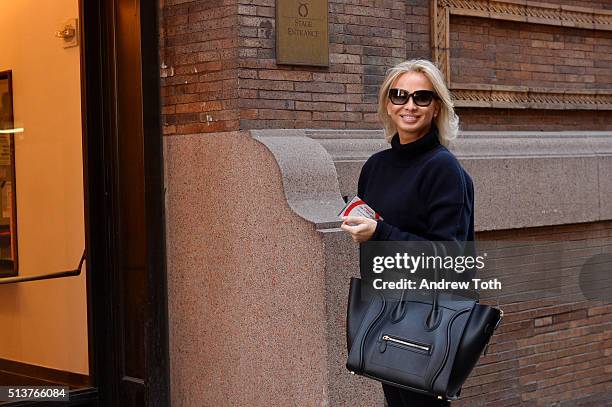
(405,343)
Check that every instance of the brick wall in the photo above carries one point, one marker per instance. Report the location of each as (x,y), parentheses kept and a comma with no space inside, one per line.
(222,74)
(547,352)
(199,47)
(533,120)
(365,37)
(517,54)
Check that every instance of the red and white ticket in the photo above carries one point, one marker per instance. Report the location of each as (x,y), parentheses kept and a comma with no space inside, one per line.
(357,207)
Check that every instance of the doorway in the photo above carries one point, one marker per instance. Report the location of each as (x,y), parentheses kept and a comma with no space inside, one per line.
(123,330)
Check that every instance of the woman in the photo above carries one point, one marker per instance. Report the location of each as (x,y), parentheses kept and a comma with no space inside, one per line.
(417,186)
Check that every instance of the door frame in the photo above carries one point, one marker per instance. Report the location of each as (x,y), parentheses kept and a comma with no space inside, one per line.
(99,107)
(99,70)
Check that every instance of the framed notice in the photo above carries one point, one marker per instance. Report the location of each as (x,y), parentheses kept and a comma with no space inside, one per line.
(301,32)
(8,209)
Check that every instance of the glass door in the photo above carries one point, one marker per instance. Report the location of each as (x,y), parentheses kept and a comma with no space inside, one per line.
(43,293)
(82,250)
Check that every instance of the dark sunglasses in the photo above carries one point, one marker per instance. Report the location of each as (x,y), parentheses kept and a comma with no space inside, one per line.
(421,98)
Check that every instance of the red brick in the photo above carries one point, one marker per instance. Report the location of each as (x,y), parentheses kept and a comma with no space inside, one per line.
(339,116)
(267,104)
(265,94)
(320,106)
(266,84)
(248,114)
(336,77)
(542,321)
(319,87)
(336,97)
(344,59)
(267,114)
(285,75)
(266,11)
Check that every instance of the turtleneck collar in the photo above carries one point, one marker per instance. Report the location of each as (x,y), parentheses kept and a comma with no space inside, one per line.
(417,147)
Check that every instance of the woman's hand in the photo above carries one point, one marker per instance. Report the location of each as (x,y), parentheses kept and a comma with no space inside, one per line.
(361,229)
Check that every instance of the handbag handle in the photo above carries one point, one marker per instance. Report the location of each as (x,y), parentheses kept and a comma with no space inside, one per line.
(433,319)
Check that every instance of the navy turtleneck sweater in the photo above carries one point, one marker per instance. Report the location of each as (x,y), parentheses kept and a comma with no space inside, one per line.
(420,190)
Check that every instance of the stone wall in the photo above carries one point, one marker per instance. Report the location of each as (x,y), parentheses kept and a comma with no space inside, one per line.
(548,351)
(258,269)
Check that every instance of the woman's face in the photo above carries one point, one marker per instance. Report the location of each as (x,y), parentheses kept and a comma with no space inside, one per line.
(411,121)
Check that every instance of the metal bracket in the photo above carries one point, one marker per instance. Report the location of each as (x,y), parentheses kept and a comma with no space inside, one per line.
(69,33)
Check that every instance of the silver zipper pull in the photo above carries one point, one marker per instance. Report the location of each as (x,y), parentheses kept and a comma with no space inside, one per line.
(413,345)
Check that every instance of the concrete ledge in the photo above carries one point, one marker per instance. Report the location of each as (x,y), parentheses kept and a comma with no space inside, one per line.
(522,179)
(309,176)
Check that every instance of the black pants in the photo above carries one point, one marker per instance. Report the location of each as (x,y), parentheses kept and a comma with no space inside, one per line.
(397,397)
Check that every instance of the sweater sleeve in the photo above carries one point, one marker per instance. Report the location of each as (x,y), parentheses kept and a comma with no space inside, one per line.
(386,231)
(446,193)
(363,177)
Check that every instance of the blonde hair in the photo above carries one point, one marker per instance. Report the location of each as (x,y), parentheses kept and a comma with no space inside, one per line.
(446,121)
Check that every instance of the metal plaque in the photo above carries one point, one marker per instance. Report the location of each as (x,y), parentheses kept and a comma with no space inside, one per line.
(301,32)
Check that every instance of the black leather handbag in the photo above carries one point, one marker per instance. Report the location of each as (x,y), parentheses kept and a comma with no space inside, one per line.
(425,345)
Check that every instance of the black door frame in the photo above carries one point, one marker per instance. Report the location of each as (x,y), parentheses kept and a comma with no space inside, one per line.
(100,118)
(99,107)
